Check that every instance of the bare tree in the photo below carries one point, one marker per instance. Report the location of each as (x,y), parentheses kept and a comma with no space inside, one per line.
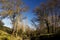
(12,9)
(46,11)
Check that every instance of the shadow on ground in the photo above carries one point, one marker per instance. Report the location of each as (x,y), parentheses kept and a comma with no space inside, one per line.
(47,37)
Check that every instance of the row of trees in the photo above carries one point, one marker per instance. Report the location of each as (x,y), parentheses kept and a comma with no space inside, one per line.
(48,15)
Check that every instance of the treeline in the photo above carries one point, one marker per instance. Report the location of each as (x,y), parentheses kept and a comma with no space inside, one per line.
(48,16)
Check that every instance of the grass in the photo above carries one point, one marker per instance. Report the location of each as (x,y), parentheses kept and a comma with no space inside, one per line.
(6,36)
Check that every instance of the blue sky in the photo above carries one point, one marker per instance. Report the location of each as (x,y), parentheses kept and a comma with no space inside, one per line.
(31,4)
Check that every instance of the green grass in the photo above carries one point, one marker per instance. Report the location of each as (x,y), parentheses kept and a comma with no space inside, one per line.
(6,36)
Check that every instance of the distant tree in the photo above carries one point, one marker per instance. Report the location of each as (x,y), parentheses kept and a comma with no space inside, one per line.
(42,16)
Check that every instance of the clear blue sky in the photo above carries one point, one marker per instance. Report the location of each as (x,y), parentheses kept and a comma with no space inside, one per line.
(31,4)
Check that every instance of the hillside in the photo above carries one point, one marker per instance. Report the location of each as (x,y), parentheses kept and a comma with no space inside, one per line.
(5,29)
(5,34)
